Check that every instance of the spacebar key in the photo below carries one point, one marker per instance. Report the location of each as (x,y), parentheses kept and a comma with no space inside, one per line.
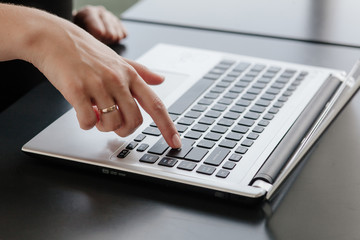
(189,96)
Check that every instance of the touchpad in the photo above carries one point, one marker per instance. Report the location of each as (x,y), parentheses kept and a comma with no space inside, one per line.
(173,82)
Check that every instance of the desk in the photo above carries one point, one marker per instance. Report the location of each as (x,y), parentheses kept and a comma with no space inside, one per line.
(322,21)
(45,200)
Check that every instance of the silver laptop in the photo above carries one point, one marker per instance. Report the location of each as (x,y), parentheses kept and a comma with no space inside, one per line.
(245,123)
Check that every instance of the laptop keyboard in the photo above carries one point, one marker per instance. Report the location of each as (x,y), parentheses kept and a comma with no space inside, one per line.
(220,117)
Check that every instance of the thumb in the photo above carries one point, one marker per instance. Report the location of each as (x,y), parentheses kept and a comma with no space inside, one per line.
(148,76)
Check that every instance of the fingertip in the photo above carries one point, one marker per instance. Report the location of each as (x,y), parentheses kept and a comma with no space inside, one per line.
(176,141)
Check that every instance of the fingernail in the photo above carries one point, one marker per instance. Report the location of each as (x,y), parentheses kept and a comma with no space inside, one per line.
(176,141)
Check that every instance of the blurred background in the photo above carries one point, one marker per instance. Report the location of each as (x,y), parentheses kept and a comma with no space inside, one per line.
(115,6)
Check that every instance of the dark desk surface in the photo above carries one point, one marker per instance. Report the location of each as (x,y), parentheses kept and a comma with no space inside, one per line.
(330,21)
(45,200)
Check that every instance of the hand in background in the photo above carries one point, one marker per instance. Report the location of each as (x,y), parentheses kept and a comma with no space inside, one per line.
(100,23)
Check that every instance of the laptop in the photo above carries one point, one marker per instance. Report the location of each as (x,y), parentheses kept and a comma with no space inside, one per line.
(245,123)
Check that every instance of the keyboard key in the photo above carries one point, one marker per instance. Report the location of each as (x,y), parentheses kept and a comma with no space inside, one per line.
(152,131)
(232,115)
(234,74)
(269,74)
(217,90)
(278,85)
(222,173)
(241,150)
(235,157)
(252,115)
(212,76)
(212,136)
(168,162)
(268,96)
(199,108)
(181,152)
(241,66)
(273,91)
(225,101)
(148,158)
(229,79)
(205,101)
(181,128)
(189,97)
(263,103)
(186,121)
(254,91)
(225,122)
(246,122)
(247,78)
(223,84)
(259,85)
(200,127)
(193,135)
(219,71)
(247,96)
(227,143)
(274,69)
(142,147)
(278,104)
(264,80)
(241,84)
(252,136)
(219,129)
(251,74)
(231,95)
(234,136)
(206,120)
(240,129)
(206,144)
(196,154)
(217,156)
(247,143)
(268,116)
(139,137)
(208,170)
(212,95)
(173,117)
(258,67)
(243,103)
(212,114)
(273,110)
(283,99)
(159,147)
(257,109)
(219,107)
(123,153)
(229,165)
(282,80)
(186,165)
(236,89)
(192,114)
(131,145)
(258,129)
(263,123)
(237,109)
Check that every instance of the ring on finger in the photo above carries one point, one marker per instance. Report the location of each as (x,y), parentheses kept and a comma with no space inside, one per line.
(109,109)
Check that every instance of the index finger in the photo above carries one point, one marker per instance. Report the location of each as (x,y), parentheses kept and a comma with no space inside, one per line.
(153,105)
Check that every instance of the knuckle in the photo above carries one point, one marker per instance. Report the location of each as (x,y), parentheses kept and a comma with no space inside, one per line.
(157,105)
(87,123)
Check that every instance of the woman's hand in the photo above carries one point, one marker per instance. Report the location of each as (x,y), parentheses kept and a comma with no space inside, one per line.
(87,72)
(100,23)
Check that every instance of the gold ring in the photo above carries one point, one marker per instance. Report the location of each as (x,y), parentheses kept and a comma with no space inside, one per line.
(109,109)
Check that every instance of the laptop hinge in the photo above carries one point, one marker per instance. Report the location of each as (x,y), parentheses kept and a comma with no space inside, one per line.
(349,85)
(263,185)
